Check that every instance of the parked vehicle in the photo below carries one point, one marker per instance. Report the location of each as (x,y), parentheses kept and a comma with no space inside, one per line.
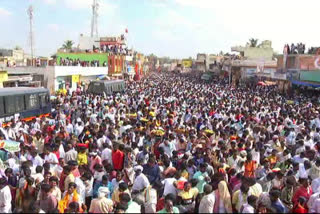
(24,102)
(106,86)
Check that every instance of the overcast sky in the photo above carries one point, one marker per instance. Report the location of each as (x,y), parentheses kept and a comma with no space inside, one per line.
(175,28)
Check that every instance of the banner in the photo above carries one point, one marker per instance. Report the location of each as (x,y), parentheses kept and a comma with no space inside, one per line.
(3,76)
(75,78)
(187,63)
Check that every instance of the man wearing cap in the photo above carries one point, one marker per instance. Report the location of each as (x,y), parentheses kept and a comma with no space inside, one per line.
(101,204)
(78,127)
(140,183)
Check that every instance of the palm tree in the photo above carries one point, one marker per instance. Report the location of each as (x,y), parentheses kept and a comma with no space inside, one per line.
(253,42)
(68,45)
(17,47)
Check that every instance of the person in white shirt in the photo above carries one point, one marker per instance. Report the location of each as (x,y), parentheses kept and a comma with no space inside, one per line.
(316,206)
(38,177)
(208,201)
(35,158)
(106,153)
(71,154)
(126,201)
(69,128)
(251,205)
(315,185)
(169,186)
(256,154)
(234,159)
(81,187)
(11,132)
(78,127)
(141,181)
(50,158)
(312,200)
(5,196)
(168,147)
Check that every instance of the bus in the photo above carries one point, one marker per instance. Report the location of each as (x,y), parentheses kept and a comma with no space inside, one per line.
(107,86)
(25,103)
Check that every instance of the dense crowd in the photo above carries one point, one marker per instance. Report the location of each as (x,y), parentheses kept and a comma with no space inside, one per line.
(168,144)
(114,49)
(77,62)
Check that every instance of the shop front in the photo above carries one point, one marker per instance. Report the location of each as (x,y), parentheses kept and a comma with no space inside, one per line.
(68,77)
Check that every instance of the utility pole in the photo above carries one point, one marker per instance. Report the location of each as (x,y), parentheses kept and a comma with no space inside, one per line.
(30,14)
(94,21)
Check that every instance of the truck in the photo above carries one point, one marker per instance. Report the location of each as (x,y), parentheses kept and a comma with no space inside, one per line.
(106,86)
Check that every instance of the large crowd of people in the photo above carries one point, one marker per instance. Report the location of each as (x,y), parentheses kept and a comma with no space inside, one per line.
(77,62)
(114,49)
(169,144)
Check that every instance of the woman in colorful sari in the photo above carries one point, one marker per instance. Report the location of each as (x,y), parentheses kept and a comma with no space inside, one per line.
(70,195)
(223,197)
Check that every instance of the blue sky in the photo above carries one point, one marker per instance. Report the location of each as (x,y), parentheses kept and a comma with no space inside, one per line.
(175,28)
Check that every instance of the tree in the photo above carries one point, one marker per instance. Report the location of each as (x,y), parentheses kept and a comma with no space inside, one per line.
(68,45)
(253,42)
(17,47)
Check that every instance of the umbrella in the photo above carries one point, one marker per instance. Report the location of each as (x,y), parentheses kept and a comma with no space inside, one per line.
(10,146)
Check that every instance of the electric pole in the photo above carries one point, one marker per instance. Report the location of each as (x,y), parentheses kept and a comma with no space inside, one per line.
(30,14)
(94,21)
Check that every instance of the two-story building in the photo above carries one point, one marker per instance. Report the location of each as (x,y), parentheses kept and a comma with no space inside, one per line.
(252,62)
(300,69)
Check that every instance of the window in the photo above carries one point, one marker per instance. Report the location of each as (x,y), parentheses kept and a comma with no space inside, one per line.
(1,106)
(43,99)
(19,103)
(32,101)
(110,62)
(10,105)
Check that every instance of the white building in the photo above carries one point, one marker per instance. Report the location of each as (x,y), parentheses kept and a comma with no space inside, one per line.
(57,77)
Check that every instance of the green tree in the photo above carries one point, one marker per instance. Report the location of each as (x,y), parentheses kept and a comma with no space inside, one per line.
(17,47)
(68,44)
(253,42)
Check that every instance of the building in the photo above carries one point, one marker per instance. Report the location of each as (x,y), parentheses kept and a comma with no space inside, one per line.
(251,63)
(112,41)
(300,69)
(116,65)
(12,57)
(201,63)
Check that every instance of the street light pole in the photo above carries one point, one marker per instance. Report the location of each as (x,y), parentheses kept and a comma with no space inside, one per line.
(230,72)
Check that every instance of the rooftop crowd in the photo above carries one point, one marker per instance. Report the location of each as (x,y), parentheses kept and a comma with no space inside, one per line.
(77,62)
(169,144)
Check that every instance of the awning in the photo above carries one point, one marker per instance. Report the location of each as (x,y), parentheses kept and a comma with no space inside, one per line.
(315,85)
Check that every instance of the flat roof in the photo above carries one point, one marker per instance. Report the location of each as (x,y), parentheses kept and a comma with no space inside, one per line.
(21,90)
